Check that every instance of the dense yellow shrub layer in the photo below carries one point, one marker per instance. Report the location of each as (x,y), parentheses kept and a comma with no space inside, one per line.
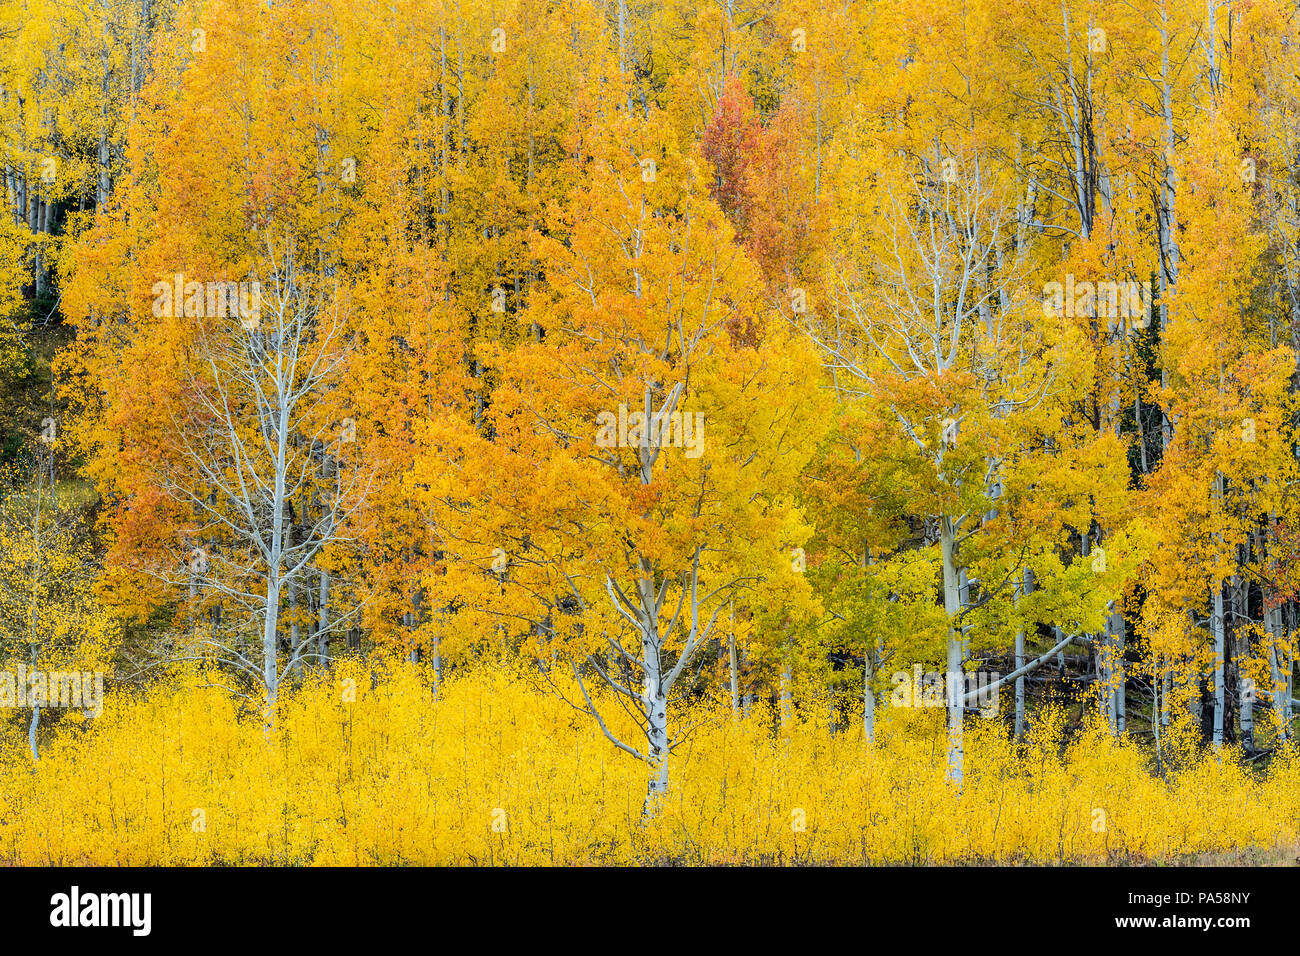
(397,776)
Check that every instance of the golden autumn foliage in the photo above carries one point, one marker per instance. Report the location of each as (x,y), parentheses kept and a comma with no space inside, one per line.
(962,338)
(492,771)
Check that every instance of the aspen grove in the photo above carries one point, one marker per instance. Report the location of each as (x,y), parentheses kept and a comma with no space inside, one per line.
(752,431)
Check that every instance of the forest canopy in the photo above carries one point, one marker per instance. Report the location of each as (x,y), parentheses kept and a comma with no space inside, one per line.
(876,370)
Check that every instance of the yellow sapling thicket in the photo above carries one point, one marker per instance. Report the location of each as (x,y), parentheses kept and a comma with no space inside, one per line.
(365,767)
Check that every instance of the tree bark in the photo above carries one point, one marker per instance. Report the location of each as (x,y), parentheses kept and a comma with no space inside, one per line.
(1025,588)
(731,661)
(952,605)
(323,620)
(1216,623)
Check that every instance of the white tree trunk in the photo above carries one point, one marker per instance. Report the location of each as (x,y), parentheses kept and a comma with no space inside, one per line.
(655,704)
(1241,648)
(731,663)
(31,732)
(657,715)
(1024,589)
(952,605)
(1121,697)
(868,700)
(270,658)
(323,621)
(1279,685)
(1112,655)
(1216,623)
